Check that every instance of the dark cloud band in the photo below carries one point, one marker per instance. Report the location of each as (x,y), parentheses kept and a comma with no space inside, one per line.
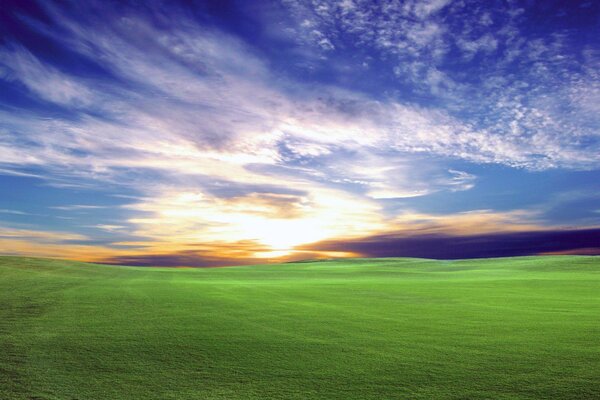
(469,246)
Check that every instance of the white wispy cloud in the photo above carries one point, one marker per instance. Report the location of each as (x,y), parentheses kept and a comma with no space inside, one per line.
(14,212)
(43,80)
(479,63)
(77,207)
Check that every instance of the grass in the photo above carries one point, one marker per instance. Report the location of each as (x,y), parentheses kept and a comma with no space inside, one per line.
(515,328)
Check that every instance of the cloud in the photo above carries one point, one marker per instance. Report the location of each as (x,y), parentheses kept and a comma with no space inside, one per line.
(277,222)
(482,63)
(194,255)
(184,259)
(169,243)
(108,228)
(466,222)
(65,245)
(42,235)
(77,207)
(43,80)
(201,100)
(444,246)
(14,212)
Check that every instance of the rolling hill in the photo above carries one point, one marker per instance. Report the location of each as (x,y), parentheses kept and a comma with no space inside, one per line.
(511,328)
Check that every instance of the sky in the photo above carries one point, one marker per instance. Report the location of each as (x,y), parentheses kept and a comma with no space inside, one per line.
(211,133)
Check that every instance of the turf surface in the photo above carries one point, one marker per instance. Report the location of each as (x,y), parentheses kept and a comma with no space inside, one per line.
(516,328)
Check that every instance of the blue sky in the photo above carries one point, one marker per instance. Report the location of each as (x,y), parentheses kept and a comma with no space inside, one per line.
(216,133)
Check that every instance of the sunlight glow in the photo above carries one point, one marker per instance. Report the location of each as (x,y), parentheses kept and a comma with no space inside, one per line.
(278,222)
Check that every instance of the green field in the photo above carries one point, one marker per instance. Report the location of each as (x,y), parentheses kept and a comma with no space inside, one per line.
(513,328)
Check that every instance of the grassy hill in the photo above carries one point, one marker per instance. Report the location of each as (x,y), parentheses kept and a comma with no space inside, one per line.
(526,328)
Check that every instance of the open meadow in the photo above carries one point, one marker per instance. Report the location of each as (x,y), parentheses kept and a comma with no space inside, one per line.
(512,328)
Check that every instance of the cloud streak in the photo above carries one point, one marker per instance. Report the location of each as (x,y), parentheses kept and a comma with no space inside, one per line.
(443,246)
